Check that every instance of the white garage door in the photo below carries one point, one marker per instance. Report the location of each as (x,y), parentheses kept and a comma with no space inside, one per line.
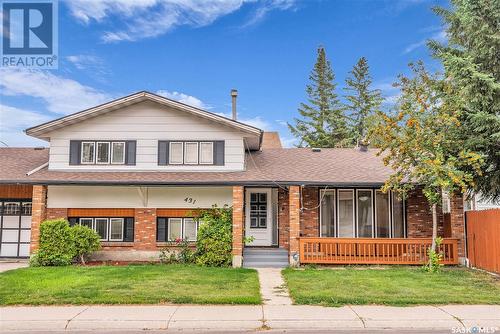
(15,228)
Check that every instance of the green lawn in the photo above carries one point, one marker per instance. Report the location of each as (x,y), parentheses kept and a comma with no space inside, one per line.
(391,286)
(133,284)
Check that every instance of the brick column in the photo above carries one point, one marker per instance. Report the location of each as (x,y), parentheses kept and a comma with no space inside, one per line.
(238,224)
(457,223)
(38,214)
(145,229)
(294,218)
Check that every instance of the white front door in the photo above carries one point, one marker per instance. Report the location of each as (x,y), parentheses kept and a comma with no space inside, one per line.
(258,215)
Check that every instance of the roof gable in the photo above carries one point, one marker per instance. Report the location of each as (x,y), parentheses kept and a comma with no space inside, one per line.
(40,131)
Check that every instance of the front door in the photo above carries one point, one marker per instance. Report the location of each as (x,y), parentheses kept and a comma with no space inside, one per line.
(259,217)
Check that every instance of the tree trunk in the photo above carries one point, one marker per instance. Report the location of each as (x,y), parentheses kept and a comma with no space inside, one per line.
(82,259)
(434,226)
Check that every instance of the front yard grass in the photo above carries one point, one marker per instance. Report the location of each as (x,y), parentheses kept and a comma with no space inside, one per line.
(398,286)
(133,284)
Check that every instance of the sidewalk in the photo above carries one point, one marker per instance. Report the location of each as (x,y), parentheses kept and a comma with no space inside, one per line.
(220,318)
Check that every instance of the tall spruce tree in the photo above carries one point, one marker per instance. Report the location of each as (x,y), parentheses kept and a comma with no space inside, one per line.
(472,64)
(362,101)
(323,123)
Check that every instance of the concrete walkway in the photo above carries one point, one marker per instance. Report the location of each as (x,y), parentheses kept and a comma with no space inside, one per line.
(272,287)
(6,265)
(225,318)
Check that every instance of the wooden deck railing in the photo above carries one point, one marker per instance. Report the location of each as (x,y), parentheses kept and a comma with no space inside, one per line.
(373,251)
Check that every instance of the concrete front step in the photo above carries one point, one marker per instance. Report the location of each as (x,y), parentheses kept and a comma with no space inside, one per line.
(265,258)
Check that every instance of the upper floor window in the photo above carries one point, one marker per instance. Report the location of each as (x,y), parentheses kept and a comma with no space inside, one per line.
(191,153)
(102,152)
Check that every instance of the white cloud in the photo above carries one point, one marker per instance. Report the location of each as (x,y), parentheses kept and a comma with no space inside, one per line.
(12,123)
(61,95)
(151,18)
(184,98)
(258,122)
(82,62)
(267,6)
(439,36)
(390,93)
(289,141)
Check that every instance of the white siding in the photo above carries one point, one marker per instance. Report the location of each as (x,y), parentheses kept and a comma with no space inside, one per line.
(147,122)
(130,197)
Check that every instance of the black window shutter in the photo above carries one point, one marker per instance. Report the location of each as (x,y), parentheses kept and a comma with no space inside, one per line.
(74,152)
(73,221)
(219,153)
(130,152)
(163,152)
(128,229)
(161,230)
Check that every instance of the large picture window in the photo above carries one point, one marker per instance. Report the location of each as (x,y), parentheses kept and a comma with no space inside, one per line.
(363,213)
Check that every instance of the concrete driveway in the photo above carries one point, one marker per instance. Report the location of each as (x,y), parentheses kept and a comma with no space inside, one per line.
(6,265)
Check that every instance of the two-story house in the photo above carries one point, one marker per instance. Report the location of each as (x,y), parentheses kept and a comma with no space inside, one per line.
(133,169)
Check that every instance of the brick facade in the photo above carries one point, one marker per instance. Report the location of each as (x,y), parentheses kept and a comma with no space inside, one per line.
(294,219)
(419,216)
(298,214)
(309,216)
(457,222)
(145,229)
(38,214)
(283,221)
(238,225)
(56,213)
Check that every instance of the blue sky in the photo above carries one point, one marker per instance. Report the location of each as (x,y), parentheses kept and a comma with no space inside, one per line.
(196,51)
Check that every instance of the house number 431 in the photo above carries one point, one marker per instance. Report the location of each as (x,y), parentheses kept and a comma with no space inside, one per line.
(190,200)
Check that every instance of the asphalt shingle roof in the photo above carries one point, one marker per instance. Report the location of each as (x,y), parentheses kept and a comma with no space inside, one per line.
(269,166)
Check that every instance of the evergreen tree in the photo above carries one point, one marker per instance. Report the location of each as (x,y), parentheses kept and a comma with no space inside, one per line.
(362,101)
(472,64)
(323,123)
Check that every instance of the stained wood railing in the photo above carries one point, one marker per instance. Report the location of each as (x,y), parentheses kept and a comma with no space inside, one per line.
(373,251)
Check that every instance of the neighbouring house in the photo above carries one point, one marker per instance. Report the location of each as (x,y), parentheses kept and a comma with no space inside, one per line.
(135,168)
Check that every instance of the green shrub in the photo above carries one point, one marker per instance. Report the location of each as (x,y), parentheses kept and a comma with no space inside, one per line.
(56,243)
(182,254)
(434,265)
(85,241)
(214,242)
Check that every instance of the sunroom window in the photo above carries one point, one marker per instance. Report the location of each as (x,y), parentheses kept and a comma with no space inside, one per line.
(365,214)
(362,213)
